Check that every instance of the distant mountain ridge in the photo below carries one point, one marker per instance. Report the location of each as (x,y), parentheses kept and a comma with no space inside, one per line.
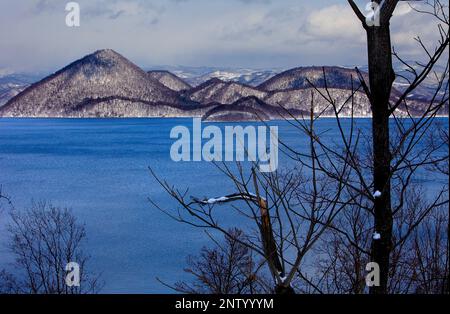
(216,90)
(105,84)
(196,76)
(307,77)
(170,80)
(11,84)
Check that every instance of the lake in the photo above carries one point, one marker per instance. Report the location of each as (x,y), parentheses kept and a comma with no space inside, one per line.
(99,169)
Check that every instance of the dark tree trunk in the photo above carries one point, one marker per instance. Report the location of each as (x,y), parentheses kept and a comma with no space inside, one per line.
(381,77)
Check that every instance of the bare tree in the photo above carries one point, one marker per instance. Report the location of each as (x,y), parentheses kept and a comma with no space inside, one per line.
(418,265)
(44,239)
(4,200)
(355,190)
(341,257)
(289,212)
(378,90)
(430,261)
(228,268)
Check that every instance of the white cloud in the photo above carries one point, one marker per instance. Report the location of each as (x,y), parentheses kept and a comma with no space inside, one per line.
(333,23)
(202,32)
(407,24)
(402,8)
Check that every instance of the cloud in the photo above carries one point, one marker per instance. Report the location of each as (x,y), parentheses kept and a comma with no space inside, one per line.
(114,9)
(403,9)
(247,33)
(408,24)
(336,22)
(46,5)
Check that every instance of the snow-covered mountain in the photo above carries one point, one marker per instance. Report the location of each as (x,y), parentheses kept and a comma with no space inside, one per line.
(199,75)
(427,89)
(223,92)
(101,84)
(105,84)
(307,77)
(170,80)
(11,84)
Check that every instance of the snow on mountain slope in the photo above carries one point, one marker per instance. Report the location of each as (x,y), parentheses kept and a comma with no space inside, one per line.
(102,77)
(170,80)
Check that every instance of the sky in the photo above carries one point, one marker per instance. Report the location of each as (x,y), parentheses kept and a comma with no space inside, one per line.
(221,33)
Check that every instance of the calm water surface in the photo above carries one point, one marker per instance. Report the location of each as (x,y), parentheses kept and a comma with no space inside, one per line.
(99,169)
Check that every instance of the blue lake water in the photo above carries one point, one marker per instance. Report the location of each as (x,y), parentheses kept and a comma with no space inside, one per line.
(99,169)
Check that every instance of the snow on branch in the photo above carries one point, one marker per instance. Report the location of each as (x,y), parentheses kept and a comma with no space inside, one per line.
(227,198)
(377,194)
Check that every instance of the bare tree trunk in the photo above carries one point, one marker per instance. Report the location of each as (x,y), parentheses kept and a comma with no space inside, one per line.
(381,77)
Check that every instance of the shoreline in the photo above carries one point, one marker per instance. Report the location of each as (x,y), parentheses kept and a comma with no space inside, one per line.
(205,121)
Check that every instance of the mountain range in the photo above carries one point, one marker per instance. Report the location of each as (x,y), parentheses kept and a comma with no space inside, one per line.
(11,84)
(195,76)
(106,84)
